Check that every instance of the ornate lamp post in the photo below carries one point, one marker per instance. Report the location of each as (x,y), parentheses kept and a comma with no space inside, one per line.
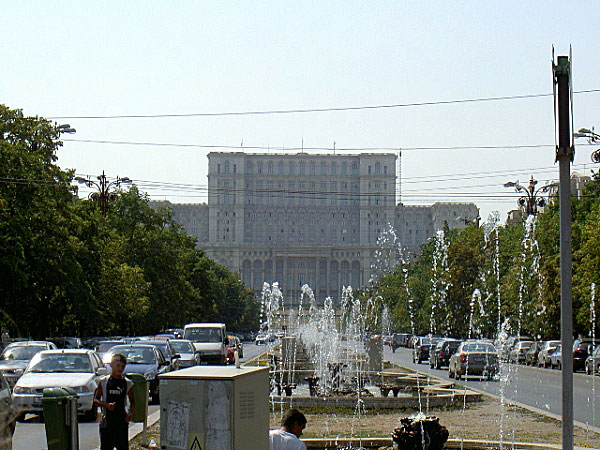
(593,138)
(103,196)
(531,200)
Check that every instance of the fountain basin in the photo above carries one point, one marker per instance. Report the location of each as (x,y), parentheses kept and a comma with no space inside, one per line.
(435,398)
(386,443)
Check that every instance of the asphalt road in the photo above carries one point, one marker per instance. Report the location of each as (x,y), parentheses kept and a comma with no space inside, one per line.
(31,433)
(532,386)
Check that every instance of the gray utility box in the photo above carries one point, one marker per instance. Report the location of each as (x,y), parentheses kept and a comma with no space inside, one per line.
(215,408)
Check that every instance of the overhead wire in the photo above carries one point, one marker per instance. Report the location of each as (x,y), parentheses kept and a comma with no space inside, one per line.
(309,148)
(315,110)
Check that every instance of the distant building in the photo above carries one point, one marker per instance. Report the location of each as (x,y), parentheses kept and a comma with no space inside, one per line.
(515,217)
(311,219)
(578,180)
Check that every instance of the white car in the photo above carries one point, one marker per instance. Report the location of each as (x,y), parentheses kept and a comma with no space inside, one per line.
(78,369)
(262,339)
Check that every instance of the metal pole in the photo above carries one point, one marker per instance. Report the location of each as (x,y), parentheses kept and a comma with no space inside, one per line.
(564,155)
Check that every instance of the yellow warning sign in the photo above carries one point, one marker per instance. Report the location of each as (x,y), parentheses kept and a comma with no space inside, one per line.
(196,441)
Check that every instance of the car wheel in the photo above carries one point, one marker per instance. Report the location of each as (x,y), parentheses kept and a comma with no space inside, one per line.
(559,365)
(450,373)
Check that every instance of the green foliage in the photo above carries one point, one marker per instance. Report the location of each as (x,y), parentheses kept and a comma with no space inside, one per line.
(66,269)
(527,299)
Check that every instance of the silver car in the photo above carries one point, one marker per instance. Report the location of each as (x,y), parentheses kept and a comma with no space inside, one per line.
(474,358)
(546,351)
(16,356)
(188,355)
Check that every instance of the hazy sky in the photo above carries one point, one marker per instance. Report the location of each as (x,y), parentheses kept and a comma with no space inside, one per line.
(64,58)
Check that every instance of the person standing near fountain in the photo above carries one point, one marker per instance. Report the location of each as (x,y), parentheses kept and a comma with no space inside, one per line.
(288,436)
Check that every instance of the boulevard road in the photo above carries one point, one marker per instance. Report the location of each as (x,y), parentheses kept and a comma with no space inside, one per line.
(31,434)
(532,386)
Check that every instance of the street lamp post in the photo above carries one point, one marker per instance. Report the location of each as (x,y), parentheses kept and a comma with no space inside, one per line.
(531,200)
(593,138)
(103,196)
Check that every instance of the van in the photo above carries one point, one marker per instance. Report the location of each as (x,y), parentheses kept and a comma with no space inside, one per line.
(210,341)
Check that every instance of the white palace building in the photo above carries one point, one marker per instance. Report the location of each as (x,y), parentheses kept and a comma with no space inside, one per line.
(307,218)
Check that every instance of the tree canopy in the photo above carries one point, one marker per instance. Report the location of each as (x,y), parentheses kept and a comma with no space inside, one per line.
(67,269)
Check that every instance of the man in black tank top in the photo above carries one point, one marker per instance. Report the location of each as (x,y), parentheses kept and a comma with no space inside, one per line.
(111,397)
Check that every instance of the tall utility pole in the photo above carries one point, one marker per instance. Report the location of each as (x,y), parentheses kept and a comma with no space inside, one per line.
(564,155)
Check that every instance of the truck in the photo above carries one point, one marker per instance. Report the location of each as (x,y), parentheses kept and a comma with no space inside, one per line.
(210,341)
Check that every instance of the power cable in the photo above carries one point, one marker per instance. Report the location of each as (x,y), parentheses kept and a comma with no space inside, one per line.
(315,110)
(304,149)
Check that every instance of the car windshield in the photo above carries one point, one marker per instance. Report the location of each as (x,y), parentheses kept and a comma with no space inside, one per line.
(136,355)
(425,341)
(21,352)
(203,334)
(479,347)
(60,362)
(182,347)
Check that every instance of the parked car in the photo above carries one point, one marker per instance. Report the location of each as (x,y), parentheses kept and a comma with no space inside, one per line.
(178,332)
(7,415)
(399,340)
(517,353)
(16,356)
(102,347)
(506,347)
(531,355)
(188,355)
(209,339)
(592,362)
(233,345)
(440,354)
(474,358)
(547,348)
(556,357)
(164,345)
(144,359)
(262,339)
(66,342)
(75,368)
(422,347)
(581,350)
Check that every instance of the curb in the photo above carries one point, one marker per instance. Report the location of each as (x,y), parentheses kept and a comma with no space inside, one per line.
(137,428)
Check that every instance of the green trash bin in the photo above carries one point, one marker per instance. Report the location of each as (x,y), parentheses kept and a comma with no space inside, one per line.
(60,418)
(140,393)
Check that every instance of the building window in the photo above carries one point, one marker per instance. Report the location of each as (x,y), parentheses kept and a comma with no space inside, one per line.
(218,168)
(234,168)
(280,168)
(323,168)
(385,170)
(344,169)
(334,168)
(226,166)
(369,170)
(259,167)
(377,168)
(270,168)
(313,168)
(354,168)
(302,168)
(292,168)
(249,167)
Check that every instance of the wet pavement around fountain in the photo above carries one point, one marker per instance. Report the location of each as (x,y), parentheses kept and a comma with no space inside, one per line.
(538,388)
